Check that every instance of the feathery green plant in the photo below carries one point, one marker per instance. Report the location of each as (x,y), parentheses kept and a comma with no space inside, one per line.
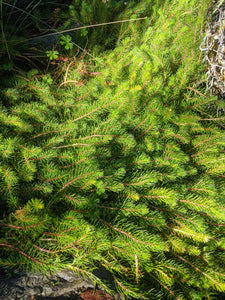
(121,165)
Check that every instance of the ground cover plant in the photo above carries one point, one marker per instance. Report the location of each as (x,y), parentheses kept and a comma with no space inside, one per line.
(119,162)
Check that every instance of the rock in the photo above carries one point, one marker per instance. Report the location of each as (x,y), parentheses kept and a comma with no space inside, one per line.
(27,286)
(63,285)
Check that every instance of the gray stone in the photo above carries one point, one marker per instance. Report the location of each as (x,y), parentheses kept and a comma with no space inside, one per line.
(63,285)
(47,291)
(26,286)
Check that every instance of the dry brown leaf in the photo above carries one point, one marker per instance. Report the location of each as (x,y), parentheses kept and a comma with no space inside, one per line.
(96,295)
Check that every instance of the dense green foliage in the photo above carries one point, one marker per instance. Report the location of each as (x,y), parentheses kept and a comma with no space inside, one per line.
(120,163)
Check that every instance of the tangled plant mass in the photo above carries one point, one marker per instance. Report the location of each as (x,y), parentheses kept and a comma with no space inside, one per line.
(123,171)
(213,47)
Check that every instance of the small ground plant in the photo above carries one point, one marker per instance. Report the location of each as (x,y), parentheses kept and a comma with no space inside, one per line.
(121,164)
(29,29)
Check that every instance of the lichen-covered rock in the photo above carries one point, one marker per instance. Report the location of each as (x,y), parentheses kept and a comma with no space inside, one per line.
(28,286)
